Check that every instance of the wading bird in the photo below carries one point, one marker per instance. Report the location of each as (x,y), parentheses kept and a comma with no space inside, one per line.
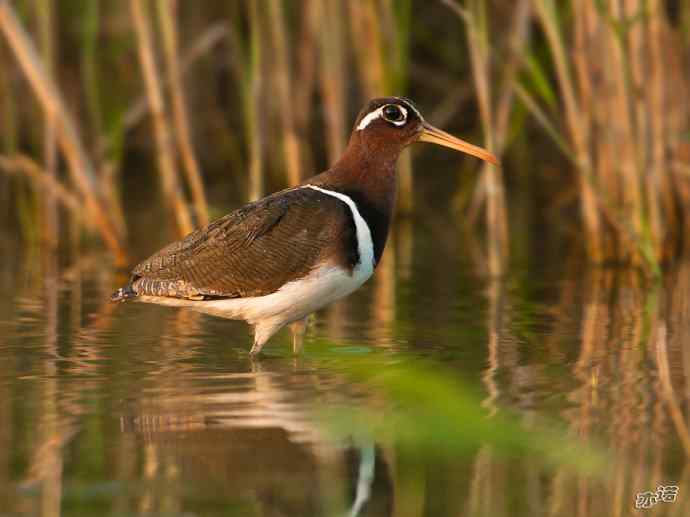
(277,260)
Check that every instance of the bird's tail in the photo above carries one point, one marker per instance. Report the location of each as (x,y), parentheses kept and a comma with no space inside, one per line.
(123,294)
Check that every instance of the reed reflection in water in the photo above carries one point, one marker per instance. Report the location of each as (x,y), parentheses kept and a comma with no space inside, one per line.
(143,410)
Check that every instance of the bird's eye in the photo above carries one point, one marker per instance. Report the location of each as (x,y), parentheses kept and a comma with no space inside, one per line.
(394,114)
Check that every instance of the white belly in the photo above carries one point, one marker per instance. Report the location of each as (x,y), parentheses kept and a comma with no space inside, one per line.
(292,302)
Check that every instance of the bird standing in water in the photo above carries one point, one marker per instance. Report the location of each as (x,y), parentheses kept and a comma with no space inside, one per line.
(275,261)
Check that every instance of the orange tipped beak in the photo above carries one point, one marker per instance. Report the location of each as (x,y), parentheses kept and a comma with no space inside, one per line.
(434,135)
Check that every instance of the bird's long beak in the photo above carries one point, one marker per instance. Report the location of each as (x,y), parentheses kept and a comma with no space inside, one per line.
(434,135)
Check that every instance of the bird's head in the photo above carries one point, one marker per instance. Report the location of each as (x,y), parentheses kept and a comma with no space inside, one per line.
(389,124)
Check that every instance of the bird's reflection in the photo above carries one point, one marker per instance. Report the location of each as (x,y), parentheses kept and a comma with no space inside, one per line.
(251,434)
(163,415)
(365,478)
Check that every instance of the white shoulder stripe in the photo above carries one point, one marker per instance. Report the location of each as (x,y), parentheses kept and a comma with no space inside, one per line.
(365,244)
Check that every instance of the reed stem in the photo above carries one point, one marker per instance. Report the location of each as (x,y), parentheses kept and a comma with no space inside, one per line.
(576,123)
(253,101)
(332,77)
(284,86)
(8,104)
(206,42)
(161,126)
(475,18)
(80,167)
(48,183)
(306,79)
(49,212)
(89,68)
(167,10)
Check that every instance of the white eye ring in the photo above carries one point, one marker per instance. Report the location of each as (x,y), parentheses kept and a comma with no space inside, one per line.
(378,113)
(402,111)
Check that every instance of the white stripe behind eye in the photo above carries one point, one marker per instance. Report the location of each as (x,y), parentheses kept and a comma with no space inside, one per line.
(378,113)
(369,118)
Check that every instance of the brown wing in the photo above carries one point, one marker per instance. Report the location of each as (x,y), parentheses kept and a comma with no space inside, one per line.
(252,251)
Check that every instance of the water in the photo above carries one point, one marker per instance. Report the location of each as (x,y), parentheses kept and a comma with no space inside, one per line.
(135,409)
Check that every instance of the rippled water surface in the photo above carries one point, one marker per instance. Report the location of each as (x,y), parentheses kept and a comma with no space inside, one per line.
(134,409)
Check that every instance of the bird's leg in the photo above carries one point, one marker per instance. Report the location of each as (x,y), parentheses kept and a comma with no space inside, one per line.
(256,347)
(262,333)
(299,329)
(260,338)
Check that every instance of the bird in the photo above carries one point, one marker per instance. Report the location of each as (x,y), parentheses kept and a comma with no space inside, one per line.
(275,261)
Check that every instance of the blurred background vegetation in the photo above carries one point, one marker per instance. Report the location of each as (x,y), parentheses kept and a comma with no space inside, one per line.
(203,106)
(125,124)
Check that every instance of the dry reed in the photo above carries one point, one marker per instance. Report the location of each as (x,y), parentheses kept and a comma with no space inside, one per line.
(379,35)
(205,42)
(306,80)
(48,182)
(80,167)
(619,107)
(49,222)
(253,93)
(167,11)
(332,75)
(174,196)
(284,88)
(8,105)
(494,115)
(89,44)
(617,88)
(573,115)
